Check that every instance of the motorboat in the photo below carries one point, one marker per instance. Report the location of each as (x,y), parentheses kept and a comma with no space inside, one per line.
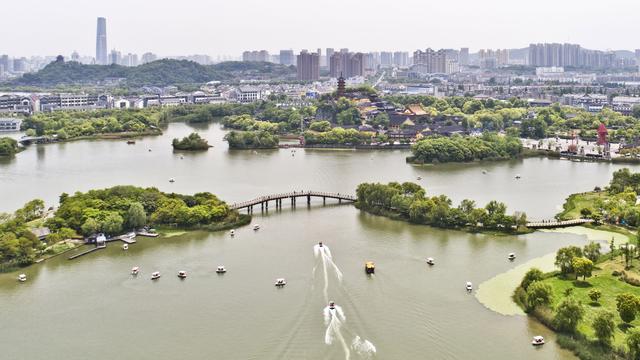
(537,341)
(332,305)
(518,176)
(149,150)
(469,286)
(484,172)
(232,232)
(430,261)
(281,282)
(221,270)
(182,274)
(135,270)
(256,227)
(511,256)
(181,157)
(131,142)
(320,244)
(172,180)
(22,277)
(125,247)
(369,267)
(155,275)
(419,177)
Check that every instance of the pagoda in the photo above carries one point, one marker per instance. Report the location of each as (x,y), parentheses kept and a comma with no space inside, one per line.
(341,87)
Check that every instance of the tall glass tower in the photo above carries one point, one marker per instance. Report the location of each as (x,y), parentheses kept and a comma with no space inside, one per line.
(101,42)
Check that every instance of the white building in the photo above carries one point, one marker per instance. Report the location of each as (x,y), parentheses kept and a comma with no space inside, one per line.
(8,124)
(247,94)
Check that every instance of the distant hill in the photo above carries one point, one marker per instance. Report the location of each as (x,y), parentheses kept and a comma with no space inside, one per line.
(157,73)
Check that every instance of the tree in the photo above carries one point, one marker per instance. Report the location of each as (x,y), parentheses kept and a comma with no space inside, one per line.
(568,314)
(582,267)
(594,295)
(633,342)
(534,274)
(136,216)
(112,223)
(592,251)
(627,305)
(381,120)
(90,226)
(604,327)
(564,258)
(538,294)
(636,111)
(320,126)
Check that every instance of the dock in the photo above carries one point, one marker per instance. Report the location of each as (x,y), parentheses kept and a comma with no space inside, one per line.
(100,247)
(147,234)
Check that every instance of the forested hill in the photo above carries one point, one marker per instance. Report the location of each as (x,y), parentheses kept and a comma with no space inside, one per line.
(157,73)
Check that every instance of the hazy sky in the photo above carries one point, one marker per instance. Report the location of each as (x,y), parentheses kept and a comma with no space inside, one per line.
(214,27)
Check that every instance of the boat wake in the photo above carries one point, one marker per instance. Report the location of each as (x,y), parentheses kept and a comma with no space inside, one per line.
(324,253)
(334,318)
(364,348)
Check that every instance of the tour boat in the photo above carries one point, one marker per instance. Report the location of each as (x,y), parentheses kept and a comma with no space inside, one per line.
(332,305)
(518,176)
(155,275)
(172,180)
(320,244)
(125,247)
(512,256)
(232,232)
(430,261)
(256,227)
(182,274)
(221,270)
(537,340)
(469,286)
(369,267)
(419,177)
(131,142)
(149,150)
(281,282)
(484,171)
(22,277)
(135,270)
(181,157)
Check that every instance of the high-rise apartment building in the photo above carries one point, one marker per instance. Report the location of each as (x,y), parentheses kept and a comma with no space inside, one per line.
(463,58)
(347,64)
(148,57)
(401,59)
(101,42)
(433,61)
(386,59)
(327,56)
(262,55)
(287,57)
(569,55)
(308,66)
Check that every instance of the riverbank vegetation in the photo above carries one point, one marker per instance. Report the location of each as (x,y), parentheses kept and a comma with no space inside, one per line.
(593,301)
(193,142)
(68,125)
(489,146)
(8,147)
(258,139)
(340,136)
(409,202)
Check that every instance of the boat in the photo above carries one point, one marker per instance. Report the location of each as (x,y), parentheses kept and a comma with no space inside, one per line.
(537,341)
(181,157)
(281,282)
(232,232)
(518,176)
(172,180)
(256,227)
(320,244)
(125,247)
(149,150)
(332,305)
(469,286)
(182,274)
(131,142)
(155,275)
(484,171)
(135,270)
(430,261)
(221,270)
(419,178)
(22,277)
(369,267)
(511,256)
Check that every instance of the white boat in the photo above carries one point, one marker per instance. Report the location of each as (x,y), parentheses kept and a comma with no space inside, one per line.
(484,171)
(332,305)
(320,244)
(518,176)
(135,270)
(469,286)
(430,261)
(256,227)
(22,277)
(511,256)
(182,274)
(172,180)
(419,177)
(155,275)
(281,282)
(232,232)
(221,270)
(537,341)
(125,247)
(181,157)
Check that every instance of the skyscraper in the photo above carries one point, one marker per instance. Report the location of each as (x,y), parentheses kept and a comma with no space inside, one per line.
(101,42)
(308,66)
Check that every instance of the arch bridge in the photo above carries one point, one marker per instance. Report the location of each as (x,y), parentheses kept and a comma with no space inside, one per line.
(293,197)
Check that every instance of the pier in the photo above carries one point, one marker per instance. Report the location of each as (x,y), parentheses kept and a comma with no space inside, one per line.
(551,224)
(99,247)
(293,197)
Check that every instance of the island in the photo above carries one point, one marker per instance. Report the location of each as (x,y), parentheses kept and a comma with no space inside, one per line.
(8,147)
(488,146)
(193,142)
(112,212)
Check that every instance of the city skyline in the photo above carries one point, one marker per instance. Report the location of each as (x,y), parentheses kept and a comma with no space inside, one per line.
(179,31)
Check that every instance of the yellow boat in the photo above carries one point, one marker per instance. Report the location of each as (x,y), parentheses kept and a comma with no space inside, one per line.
(369,267)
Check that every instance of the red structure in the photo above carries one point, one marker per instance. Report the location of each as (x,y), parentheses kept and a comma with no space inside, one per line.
(341,87)
(602,134)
